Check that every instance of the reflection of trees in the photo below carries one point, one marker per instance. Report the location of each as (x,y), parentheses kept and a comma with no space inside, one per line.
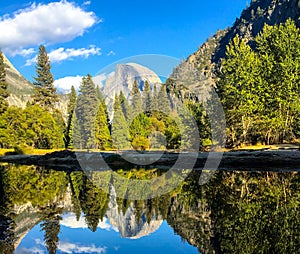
(51,227)
(25,188)
(93,201)
(236,212)
(256,212)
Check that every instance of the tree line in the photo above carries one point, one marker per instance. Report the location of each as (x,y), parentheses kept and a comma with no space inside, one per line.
(145,120)
(259,87)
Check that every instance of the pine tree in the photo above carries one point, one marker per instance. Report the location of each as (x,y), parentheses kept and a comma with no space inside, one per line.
(102,134)
(163,99)
(136,100)
(70,111)
(3,85)
(147,98)
(45,93)
(126,108)
(85,114)
(154,101)
(120,131)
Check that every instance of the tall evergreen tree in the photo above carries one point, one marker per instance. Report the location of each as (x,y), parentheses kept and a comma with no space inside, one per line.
(3,85)
(136,100)
(86,109)
(71,108)
(164,102)
(102,134)
(120,133)
(45,93)
(154,101)
(126,108)
(147,98)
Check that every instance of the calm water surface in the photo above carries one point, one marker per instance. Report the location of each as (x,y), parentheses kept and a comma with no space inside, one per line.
(49,211)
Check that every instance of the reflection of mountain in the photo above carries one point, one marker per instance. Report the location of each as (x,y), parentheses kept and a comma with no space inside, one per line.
(128,224)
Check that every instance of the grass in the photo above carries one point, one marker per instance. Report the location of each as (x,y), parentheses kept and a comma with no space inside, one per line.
(32,152)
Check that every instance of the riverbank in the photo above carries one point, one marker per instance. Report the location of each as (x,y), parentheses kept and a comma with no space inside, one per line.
(284,158)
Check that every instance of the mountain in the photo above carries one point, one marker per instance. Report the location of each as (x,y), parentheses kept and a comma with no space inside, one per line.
(19,88)
(122,79)
(203,64)
(127,224)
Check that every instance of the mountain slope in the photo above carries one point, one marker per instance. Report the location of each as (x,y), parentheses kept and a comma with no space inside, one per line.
(19,88)
(205,60)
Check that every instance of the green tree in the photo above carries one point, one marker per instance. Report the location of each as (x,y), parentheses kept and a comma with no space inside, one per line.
(126,108)
(45,93)
(238,90)
(154,102)
(163,99)
(3,85)
(86,110)
(147,98)
(70,124)
(102,133)
(136,100)
(120,133)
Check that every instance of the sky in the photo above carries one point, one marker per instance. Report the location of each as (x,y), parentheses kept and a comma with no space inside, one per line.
(82,37)
(75,237)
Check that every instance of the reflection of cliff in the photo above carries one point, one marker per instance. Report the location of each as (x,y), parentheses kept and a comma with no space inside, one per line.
(128,224)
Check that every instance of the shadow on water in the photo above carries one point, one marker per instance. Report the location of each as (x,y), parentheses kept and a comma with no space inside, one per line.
(235,212)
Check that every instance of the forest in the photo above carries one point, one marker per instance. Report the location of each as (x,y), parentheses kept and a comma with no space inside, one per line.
(258,87)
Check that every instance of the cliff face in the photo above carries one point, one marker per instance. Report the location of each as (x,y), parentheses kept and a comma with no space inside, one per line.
(122,79)
(128,224)
(205,60)
(19,88)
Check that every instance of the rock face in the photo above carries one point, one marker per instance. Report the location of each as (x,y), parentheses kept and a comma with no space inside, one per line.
(19,88)
(208,56)
(127,223)
(123,78)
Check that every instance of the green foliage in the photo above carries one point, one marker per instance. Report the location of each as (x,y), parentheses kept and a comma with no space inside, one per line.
(147,98)
(259,88)
(136,100)
(86,109)
(45,93)
(31,127)
(102,133)
(68,133)
(120,133)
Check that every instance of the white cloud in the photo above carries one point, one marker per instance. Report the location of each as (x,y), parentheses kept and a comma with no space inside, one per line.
(66,83)
(111,53)
(62,54)
(44,24)
(87,3)
(34,250)
(70,221)
(67,247)
(23,52)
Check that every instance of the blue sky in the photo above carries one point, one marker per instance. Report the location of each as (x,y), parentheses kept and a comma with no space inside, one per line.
(85,36)
(75,237)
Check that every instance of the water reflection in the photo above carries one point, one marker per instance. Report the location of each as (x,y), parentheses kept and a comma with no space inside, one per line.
(236,212)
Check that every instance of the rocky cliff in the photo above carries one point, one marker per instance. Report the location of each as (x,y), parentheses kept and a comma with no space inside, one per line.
(19,88)
(206,59)
(122,79)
